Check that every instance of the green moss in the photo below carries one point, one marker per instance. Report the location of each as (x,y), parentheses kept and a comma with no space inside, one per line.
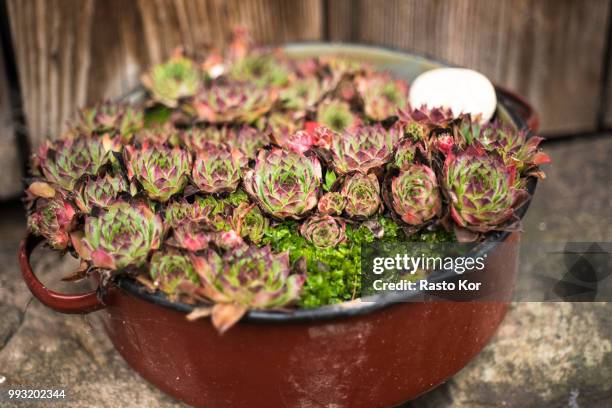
(333,274)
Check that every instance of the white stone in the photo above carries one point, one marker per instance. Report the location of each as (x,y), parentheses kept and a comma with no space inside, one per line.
(462,90)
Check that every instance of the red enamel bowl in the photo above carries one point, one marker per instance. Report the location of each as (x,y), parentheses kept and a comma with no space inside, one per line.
(379,353)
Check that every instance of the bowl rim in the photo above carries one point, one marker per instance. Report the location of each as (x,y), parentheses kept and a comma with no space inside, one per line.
(370,303)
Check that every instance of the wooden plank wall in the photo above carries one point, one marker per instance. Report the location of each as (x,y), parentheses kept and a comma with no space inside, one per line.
(71,53)
(550,51)
(11,174)
(74,52)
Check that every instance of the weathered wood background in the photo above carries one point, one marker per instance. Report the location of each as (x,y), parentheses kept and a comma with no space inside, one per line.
(70,53)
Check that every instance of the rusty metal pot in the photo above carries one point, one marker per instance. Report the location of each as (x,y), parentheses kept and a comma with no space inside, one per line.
(375,354)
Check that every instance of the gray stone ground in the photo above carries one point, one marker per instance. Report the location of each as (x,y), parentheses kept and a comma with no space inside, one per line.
(544,355)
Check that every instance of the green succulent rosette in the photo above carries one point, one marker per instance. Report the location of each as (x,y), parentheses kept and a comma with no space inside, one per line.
(415,195)
(121,236)
(161,171)
(173,80)
(283,183)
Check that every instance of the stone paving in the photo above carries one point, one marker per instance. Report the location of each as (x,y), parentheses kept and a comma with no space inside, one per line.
(545,354)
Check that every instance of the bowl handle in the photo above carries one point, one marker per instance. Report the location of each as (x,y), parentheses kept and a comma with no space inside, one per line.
(81,303)
(521,107)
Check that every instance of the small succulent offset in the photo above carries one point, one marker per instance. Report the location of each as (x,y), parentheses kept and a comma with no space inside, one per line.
(283,183)
(249,222)
(250,181)
(382,95)
(246,278)
(262,69)
(362,193)
(336,115)
(173,80)
(53,219)
(122,236)
(324,231)
(331,203)
(415,195)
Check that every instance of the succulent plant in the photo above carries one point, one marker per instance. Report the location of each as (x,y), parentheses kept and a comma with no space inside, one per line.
(362,193)
(178,212)
(197,138)
(408,151)
(110,117)
(248,140)
(159,135)
(232,102)
(53,219)
(100,192)
(302,95)
(323,231)
(121,236)
(282,124)
(331,203)
(251,148)
(482,191)
(415,195)
(336,115)
(247,278)
(173,80)
(339,67)
(382,95)
(162,171)
(249,222)
(299,142)
(283,183)
(169,269)
(192,235)
(513,146)
(64,162)
(217,168)
(363,149)
(418,123)
(260,68)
